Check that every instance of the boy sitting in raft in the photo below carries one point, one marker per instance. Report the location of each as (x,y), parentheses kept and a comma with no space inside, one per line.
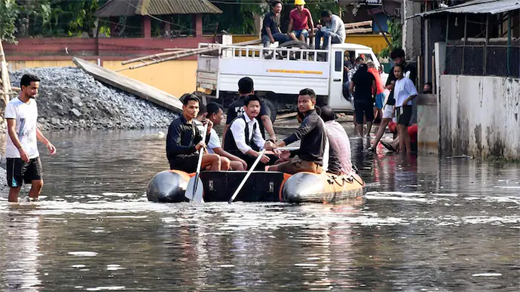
(184,140)
(313,139)
(244,138)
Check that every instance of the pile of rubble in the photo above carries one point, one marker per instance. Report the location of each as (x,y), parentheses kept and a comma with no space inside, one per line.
(71,99)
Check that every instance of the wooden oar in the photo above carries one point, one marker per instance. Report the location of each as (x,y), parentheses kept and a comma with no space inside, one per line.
(195,189)
(247,176)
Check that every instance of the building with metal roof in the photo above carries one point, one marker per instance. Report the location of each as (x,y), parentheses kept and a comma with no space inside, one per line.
(146,9)
(477,7)
(156,7)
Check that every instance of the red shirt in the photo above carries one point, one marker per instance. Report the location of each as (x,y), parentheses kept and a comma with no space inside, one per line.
(300,19)
(379,84)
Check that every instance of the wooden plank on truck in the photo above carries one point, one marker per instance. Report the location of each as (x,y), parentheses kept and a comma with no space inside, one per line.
(130,85)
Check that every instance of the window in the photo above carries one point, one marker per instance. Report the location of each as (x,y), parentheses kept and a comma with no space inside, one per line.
(338,61)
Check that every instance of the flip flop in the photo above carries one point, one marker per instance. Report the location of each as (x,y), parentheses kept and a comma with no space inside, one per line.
(388,146)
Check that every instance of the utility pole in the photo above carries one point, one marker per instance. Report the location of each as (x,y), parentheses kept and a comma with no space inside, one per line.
(411,29)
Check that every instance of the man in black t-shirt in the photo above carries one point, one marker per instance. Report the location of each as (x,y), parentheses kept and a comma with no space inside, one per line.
(363,88)
(271,26)
(246,88)
(398,56)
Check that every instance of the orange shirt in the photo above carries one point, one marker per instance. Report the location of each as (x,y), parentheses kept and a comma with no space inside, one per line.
(379,85)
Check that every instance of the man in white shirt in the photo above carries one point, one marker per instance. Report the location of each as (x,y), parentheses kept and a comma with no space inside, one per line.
(215,114)
(21,151)
(244,138)
(333,29)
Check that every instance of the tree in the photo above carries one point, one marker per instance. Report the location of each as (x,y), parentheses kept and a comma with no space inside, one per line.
(395,29)
(8,15)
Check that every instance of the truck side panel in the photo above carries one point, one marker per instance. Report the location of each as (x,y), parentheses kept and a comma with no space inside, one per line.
(207,72)
(281,77)
(228,82)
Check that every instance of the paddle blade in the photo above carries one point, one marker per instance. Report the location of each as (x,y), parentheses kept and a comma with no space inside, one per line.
(193,193)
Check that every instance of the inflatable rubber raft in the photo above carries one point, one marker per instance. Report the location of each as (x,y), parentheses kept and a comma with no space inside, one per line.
(262,186)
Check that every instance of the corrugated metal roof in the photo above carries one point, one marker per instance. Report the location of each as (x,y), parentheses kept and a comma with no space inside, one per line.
(118,8)
(156,7)
(159,7)
(478,7)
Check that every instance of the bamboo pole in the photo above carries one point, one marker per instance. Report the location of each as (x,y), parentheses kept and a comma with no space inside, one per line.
(5,75)
(159,55)
(177,56)
(179,52)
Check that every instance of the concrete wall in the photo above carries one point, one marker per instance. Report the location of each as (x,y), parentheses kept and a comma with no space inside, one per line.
(427,124)
(479,116)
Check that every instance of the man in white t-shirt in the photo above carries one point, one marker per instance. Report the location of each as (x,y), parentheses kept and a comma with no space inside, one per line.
(215,114)
(21,151)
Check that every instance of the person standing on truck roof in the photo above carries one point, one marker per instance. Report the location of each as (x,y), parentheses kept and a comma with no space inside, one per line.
(299,20)
(244,139)
(184,140)
(271,26)
(332,28)
(363,88)
(246,88)
(216,115)
(312,153)
(398,56)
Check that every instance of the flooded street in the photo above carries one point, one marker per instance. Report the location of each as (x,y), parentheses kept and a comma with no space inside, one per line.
(426,224)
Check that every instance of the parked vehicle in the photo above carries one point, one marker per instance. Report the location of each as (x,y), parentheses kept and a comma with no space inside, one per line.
(279,73)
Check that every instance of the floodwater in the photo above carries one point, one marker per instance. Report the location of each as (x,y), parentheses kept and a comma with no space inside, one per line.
(426,224)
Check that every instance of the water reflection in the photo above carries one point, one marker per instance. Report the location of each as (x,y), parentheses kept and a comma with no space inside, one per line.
(19,250)
(426,224)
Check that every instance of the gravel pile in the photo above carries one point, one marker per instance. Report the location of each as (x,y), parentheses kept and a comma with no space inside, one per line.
(71,99)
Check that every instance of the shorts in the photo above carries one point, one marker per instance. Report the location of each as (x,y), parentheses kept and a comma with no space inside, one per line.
(296,165)
(403,114)
(185,162)
(298,33)
(388,111)
(363,109)
(380,98)
(19,171)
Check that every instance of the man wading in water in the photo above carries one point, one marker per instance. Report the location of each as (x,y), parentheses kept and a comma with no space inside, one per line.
(21,151)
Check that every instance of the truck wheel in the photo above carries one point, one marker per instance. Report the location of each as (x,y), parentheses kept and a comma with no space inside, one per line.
(272,110)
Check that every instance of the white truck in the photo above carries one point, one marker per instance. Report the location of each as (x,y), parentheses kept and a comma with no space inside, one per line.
(279,73)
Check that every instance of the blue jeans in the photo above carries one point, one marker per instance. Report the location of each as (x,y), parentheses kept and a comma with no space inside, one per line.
(298,33)
(279,37)
(326,35)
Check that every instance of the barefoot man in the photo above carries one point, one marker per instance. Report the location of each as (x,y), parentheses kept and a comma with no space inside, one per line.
(21,151)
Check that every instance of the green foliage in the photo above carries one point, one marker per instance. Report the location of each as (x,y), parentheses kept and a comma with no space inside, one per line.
(83,19)
(23,18)
(8,14)
(237,16)
(395,29)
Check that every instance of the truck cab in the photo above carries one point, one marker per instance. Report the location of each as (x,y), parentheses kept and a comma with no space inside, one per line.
(280,73)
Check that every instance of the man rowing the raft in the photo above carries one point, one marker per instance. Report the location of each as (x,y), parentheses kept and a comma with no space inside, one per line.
(313,139)
(184,140)
(244,138)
